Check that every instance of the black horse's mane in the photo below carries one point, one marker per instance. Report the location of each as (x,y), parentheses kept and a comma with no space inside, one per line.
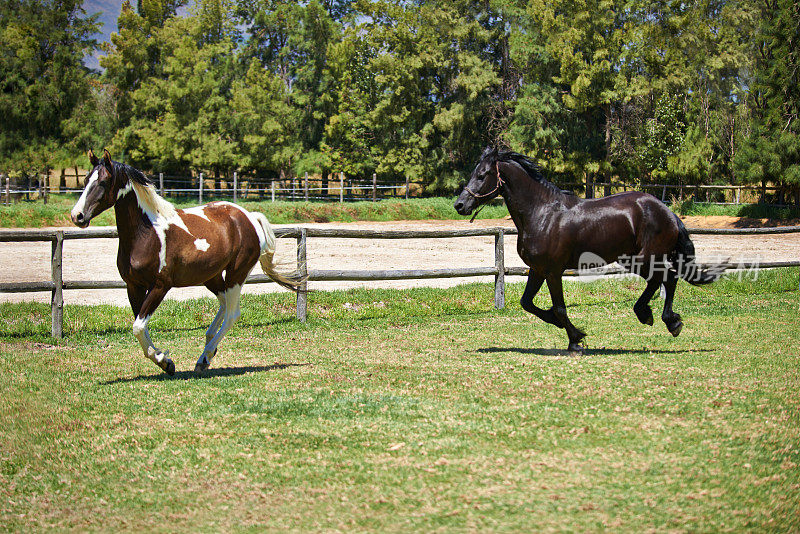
(531,168)
(133,174)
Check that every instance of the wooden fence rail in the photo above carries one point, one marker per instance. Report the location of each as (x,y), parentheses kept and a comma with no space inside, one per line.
(56,285)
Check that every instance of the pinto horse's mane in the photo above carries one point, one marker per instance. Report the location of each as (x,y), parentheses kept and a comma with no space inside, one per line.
(144,188)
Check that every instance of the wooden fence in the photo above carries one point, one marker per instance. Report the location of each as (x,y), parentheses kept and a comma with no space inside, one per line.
(56,285)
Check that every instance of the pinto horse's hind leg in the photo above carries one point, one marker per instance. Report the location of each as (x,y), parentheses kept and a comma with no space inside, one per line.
(140,331)
(229,302)
(670,318)
(560,312)
(213,328)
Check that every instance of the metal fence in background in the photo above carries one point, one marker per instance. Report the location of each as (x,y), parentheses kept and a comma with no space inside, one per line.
(339,187)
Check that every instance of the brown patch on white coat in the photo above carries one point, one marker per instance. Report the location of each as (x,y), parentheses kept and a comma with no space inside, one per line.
(160,247)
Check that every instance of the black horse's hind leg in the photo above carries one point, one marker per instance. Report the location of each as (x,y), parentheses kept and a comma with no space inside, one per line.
(670,318)
(642,307)
(531,288)
(560,312)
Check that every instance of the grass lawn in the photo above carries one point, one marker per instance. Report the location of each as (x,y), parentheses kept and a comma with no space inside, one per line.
(416,410)
(56,212)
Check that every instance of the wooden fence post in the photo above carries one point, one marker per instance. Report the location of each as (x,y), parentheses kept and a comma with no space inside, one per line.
(57,294)
(272,190)
(235,184)
(500,264)
(407,184)
(8,191)
(305,187)
(161,183)
(374,187)
(341,187)
(302,267)
(200,189)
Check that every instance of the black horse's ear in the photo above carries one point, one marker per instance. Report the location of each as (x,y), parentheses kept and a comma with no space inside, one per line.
(93,159)
(107,158)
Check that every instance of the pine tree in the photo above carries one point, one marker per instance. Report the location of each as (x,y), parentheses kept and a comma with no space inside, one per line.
(42,77)
(771,151)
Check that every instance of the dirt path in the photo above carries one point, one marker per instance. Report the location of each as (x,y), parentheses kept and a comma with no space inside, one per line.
(96,259)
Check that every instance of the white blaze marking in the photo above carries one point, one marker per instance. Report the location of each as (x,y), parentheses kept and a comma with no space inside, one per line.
(81,204)
(201,244)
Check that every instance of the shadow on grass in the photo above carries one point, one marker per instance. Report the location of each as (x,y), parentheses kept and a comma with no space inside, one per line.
(586,352)
(210,373)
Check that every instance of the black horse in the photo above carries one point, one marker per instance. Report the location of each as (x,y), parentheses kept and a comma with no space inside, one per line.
(559,231)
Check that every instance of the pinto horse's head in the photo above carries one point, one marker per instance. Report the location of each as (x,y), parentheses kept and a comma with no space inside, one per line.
(484,184)
(100,192)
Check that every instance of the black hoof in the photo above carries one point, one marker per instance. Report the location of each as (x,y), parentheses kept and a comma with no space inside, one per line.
(575,349)
(169,367)
(645,316)
(202,366)
(675,328)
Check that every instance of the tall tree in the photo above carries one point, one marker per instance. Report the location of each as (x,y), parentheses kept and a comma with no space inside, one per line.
(42,77)
(771,151)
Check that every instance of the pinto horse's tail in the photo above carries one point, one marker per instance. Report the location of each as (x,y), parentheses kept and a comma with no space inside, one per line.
(292,281)
(684,261)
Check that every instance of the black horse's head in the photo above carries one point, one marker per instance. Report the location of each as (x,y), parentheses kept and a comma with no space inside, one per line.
(104,185)
(484,184)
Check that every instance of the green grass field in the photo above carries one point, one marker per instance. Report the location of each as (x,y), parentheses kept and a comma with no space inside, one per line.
(418,410)
(56,211)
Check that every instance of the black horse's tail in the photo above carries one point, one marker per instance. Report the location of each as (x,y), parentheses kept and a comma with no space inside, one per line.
(683,260)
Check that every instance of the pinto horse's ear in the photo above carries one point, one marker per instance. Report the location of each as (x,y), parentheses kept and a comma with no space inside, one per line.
(107,158)
(93,159)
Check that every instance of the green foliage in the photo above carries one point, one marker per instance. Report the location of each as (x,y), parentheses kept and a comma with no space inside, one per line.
(698,92)
(42,79)
(771,151)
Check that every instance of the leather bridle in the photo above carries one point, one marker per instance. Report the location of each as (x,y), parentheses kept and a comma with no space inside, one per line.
(493,191)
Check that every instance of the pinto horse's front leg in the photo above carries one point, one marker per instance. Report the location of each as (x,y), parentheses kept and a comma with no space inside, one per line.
(140,331)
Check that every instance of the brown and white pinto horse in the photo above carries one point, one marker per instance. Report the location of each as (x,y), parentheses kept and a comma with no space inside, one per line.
(161,247)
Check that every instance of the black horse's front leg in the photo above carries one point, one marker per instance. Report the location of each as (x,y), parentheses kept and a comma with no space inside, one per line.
(642,307)
(560,312)
(531,289)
